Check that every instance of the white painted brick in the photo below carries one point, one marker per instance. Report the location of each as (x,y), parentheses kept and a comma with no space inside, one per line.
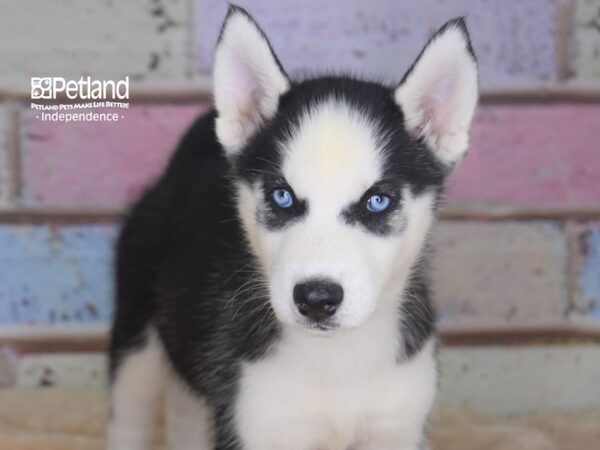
(63,369)
(507,380)
(5,173)
(493,380)
(106,39)
(586,40)
(499,272)
(8,367)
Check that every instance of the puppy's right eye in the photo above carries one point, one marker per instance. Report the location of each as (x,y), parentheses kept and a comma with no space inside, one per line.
(378,203)
(282,198)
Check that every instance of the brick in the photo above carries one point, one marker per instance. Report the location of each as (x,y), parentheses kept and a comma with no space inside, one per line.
(8,367)
(142,39)
(531,155)
(514,40)
(586,40)
(491,380)
(523,380)
(99,164)
(5,173)
(73,370)
(499,272)
(55,274)
(586,295)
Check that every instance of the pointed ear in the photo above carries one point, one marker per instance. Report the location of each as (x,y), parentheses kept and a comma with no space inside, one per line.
(248,80)
(439,93)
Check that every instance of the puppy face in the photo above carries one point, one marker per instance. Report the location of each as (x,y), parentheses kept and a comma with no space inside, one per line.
(337,179)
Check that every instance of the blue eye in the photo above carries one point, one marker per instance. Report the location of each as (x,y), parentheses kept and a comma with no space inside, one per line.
(283,198)
(378,203)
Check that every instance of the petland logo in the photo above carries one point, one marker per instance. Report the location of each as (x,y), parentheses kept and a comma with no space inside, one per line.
(47,88)
(83,94)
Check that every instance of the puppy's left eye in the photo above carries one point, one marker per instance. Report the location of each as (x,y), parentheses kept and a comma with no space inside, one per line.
(378,203)
(282,198)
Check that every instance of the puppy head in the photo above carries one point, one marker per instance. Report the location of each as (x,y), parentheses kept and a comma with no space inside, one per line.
(337,178)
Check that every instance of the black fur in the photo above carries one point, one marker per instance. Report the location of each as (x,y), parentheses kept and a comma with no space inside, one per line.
(184,266)
(274,217)
(380,223)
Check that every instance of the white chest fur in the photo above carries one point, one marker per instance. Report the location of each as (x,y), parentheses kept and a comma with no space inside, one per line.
(341,393)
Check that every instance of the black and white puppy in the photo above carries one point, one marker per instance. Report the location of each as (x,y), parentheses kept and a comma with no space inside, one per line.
(273,280)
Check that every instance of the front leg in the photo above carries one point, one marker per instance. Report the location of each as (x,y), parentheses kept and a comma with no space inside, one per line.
(135,396)
(189,418)
(374,446)
(388,434)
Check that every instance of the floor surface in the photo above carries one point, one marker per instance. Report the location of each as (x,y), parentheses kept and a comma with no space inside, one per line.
(69,419)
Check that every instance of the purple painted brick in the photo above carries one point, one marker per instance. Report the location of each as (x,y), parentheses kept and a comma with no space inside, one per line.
(500,272)
(531,155)
(587,271)
(60,274)
(99,164)
(513,39)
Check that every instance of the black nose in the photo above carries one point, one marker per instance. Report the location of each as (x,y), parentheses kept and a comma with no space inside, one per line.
(318,299)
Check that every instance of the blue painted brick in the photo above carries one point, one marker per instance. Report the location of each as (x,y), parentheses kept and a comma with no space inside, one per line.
(56,274)
(587,260)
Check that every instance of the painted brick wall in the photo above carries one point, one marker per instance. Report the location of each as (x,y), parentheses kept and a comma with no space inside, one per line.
(500,272)
(586,40)
(531,155)
(523,243)
(98,164)
(587,271)
(514,40)
(145,40)
(5,172)
(55,274)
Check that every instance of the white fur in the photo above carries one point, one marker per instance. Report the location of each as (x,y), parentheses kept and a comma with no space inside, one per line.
(351,389)
(337,393)
(247,81)
(135,397)
(189,419)
(331,160)
(346,390)
(439,95)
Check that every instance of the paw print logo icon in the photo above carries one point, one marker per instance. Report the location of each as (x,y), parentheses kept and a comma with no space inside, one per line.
(41,88)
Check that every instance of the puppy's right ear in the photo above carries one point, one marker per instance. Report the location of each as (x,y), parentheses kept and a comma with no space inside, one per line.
(248,80)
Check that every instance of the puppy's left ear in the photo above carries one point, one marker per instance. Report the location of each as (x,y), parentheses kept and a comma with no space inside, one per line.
(439,93)
(248,80)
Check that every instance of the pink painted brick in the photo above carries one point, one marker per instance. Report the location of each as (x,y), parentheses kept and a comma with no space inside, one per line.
(500,272)
(531,155)
(514,39)
(99,164)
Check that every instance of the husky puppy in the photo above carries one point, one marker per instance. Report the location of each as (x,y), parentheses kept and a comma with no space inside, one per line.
(273,281)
